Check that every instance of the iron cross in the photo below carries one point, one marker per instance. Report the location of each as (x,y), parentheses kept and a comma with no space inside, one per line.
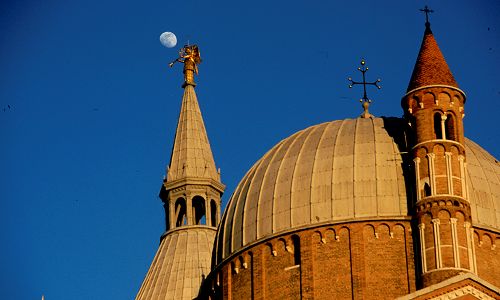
(427,11)
(363,70)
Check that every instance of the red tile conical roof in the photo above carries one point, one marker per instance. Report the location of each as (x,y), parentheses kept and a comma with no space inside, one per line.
(431,67)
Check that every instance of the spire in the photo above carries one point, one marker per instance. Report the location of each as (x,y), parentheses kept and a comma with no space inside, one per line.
(191,153)
(431,67)
(192,190)
(191,196)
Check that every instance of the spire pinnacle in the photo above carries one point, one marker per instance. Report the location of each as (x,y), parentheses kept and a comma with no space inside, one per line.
(365,100)
(427,11)
(431,67)
(191,154)
(189,55)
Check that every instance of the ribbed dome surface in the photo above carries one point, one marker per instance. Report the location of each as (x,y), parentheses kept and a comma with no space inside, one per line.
(484,185)
(179,265)
(333,171)
(339,171)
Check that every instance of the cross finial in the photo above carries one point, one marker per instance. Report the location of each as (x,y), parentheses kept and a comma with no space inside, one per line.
(427,11)
(365,100)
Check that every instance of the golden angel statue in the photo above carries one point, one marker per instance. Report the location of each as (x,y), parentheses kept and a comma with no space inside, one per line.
(189,55)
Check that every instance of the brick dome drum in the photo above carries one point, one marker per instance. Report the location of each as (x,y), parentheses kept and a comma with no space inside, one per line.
(340,171)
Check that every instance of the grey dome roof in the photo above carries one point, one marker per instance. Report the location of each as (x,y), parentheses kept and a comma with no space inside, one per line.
(483,179)
(338,171)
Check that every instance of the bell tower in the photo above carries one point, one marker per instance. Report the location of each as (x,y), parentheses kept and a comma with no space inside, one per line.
(434,109)
(192,190)
(191,194)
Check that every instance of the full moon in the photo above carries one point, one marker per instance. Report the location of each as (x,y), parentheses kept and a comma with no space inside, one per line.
(168,39)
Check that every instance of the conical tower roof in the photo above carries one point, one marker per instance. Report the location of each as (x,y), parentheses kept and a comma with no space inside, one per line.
(191,154)
(181,263)
(431,67)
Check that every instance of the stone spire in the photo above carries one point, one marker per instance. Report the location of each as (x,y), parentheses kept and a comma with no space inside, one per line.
(191,154)
(192,189)
(191,195)
(431,67)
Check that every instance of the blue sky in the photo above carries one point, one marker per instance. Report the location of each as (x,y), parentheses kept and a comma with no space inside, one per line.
(91,108)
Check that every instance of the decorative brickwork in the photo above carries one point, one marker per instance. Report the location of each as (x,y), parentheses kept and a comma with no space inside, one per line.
(351,260)
(332,259)
(486,245)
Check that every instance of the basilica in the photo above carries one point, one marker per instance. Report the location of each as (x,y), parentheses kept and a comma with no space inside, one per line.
(364,208)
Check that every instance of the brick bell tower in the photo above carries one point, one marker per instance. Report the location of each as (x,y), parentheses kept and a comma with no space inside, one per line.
(434,109)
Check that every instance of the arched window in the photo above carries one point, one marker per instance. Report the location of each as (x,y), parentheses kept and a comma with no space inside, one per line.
(243,264)
(437,126)
(450,127)
(296,249)
(427,190)
(213,213)
(412,122)
(199,210)
(180,212)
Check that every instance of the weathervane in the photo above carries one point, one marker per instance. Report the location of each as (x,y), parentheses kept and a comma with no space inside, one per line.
(427,11)
(189,55)
(366,102)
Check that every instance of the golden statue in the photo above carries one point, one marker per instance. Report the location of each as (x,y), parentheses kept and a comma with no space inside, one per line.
(190,57)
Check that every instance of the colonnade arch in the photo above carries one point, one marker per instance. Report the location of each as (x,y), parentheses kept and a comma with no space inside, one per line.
(444,126)
(194,210)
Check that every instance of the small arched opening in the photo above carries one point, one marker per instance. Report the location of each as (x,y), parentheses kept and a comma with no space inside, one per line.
(213,213)
(450,127)
(427,190)
(180,212)
(412,123)
(438,134)
(296,249)
(199,210)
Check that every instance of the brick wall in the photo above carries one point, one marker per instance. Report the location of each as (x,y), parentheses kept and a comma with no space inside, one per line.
(486,244)
(422,104)
(241,276)
(444,213)
(385,260)
(361,260)
(352,260)
(332,259)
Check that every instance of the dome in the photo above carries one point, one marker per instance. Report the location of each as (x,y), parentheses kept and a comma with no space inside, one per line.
(340,171)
